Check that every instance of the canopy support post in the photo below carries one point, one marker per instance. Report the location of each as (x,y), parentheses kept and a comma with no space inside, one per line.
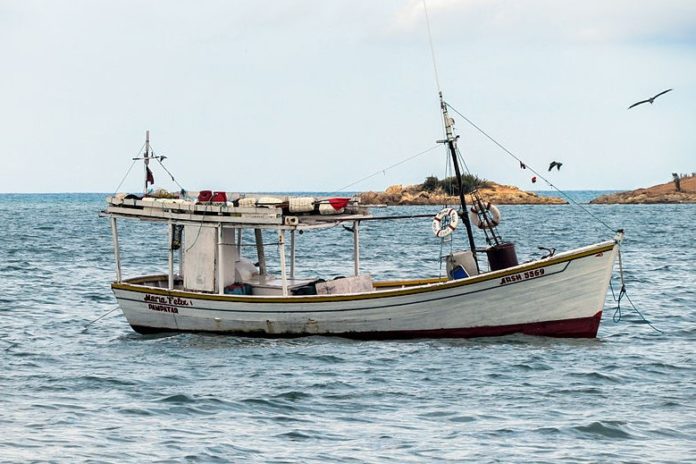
(220,262)
(117,252)
(292,254)
(260,252)
(281,252)
(181,257)
(170,268)
(356,247)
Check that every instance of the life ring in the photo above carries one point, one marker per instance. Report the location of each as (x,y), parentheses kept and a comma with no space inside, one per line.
(445,222)
(483,224)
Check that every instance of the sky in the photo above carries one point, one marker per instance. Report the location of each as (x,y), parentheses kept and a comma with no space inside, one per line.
(312,95)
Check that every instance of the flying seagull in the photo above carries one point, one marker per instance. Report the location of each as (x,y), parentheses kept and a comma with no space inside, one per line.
(555,164)
(650,100)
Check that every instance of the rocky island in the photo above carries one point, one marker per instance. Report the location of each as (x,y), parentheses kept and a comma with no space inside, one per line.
(437,192)
(681,190)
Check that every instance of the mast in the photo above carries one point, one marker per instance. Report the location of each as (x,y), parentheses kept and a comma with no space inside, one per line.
(451,142)
(146,158)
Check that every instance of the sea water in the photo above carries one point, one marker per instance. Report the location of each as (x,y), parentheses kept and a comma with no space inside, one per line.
(103,393)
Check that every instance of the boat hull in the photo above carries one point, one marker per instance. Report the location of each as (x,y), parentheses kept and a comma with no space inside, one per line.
(561,296)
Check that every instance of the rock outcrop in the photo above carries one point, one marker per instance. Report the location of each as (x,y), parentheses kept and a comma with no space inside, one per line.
(663,193)
(494,193)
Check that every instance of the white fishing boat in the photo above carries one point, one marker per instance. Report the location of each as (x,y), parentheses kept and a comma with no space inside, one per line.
(219,286)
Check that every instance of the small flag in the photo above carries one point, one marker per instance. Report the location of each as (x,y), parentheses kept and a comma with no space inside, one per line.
(150,179)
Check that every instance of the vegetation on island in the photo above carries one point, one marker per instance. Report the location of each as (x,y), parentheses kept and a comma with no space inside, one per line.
(448,185)
(434,191)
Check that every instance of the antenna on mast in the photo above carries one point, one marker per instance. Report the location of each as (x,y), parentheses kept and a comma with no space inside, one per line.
(432,49)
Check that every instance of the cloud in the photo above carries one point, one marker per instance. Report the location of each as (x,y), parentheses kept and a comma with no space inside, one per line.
(592,21)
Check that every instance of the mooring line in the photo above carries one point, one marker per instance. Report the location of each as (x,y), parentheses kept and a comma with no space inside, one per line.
(101,317)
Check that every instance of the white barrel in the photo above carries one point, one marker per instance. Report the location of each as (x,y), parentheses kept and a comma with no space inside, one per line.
(326,209)
(248,202)
(301,204)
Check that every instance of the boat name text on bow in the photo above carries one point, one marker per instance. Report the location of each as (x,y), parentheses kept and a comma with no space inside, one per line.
(521,276)
(166,304)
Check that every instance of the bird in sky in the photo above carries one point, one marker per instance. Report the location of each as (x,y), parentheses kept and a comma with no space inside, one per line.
(649,100)
(555,164)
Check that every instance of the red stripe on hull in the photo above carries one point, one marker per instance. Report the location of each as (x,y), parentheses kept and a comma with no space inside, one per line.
(585,327)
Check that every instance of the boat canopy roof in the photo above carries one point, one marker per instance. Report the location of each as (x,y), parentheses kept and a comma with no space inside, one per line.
(241,211)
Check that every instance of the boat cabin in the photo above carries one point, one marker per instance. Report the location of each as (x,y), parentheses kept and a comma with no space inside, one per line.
(206,232)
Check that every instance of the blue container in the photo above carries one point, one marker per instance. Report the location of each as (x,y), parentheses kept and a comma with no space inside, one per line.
(459,273)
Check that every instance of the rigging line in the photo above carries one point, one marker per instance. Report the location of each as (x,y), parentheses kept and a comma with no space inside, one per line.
(170,174)
(572,200)
(200,227)
(131,167)
(448,179)
(124,177)
(461,158)
(159,160)
(432,49)
(389,167)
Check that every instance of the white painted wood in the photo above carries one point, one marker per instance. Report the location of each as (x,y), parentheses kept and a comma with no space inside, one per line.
(292,254)
(220,261)
(570,289)
(283,270)
(181,216)
(199,257)
(181,257)
(117,251)
(170,253)
(229,256)
(348,285)
(356,247)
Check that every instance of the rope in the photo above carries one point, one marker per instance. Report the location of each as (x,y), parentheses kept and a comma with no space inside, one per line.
(570,199)
(137,158)
(618,315)
(389,167)
(623,293)
(200,227)
(170,175)
(124,177)
(129,169)
(102,316)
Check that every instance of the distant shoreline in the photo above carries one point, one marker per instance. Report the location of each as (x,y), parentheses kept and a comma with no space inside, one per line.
(666,193)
